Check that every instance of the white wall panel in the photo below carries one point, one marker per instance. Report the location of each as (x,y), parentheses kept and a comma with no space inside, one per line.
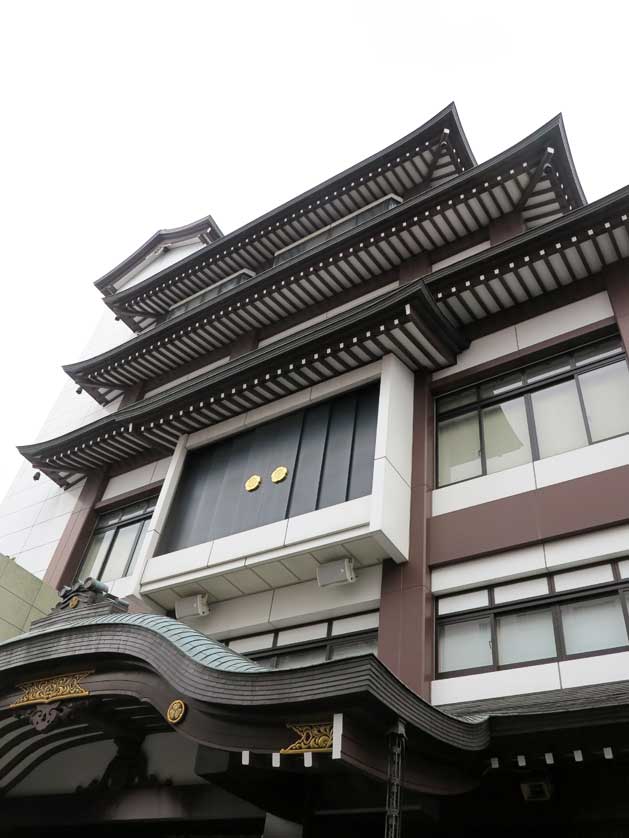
(502,484)
(598,669)
(564,319)
(519,681)
(601,456)
(578,549)
(510,564)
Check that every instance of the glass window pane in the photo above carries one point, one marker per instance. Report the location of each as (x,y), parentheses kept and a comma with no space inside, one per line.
(551,367)
(108,519)
(525,637)
(606,397)
(297,659)
(598,351)
(501,385)
(459,449)
(360,646)
(506,434)
(459,399)
(592,625)
(558,419)
(96,553)
(138,546)
(133,510)
(464,645)
(121,552)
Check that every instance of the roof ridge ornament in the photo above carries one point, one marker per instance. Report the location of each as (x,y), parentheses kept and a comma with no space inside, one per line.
(76,599)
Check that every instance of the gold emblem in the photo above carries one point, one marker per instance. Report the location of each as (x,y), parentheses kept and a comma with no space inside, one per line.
(253,482)
(315,737)
(176,711)
(52,689)
(74,601)
(278,474)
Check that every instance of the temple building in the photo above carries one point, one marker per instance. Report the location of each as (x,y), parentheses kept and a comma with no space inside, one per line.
(336,506)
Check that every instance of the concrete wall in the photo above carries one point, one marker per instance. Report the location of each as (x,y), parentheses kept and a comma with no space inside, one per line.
(33,514)
(23,598)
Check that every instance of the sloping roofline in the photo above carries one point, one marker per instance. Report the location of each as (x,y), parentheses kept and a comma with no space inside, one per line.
(448,118)
(165,237)
(386,301)
(547,130)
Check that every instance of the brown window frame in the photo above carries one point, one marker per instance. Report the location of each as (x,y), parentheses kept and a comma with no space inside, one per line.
(551,601)
(525,391)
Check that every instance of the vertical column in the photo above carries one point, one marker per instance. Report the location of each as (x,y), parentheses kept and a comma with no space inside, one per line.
(618,290)
(506,227)
(405,638)
(73,542)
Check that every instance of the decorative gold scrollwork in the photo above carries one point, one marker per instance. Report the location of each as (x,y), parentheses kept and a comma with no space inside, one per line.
(253,482)
(314,737)
(176,711)
(54,688)
(278,474)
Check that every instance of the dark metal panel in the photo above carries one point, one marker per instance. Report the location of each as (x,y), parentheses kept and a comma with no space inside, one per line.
(274,444)
(305,485)
(338,452)
(225,519)
(361,469)
(328,450)
(191,515)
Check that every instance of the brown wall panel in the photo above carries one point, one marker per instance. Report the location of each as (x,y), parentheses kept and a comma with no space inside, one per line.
(405,637)
(568,508)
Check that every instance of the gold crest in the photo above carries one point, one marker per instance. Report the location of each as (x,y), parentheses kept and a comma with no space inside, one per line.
(314,737)
(278,474)
(176,711)
(253,482)
(52,689)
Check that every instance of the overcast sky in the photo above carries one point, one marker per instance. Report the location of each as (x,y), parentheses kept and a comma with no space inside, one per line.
(119,118)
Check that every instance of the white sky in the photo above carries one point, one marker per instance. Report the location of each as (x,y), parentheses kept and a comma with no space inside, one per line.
(119,118)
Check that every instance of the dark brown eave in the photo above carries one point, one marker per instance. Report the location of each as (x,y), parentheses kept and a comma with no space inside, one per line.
(565,252)
(343,681)
(149,661)
(541,250)
(447,152)
(537,173)
(206,229)
(415,332)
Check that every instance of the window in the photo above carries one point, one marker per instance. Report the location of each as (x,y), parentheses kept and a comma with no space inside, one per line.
(343,637)
(220,287)
(297,657)
(550,626)
(328,449)
(465,645)
(566,402)
(114,547)
(344,224)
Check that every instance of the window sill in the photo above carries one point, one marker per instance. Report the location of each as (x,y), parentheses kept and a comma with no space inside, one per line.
(597,668)
(600,456)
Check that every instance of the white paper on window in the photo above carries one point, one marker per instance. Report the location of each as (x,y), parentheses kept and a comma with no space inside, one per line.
(525,637)
(606,396)
(507,442)
(593,625)
(464,645)
(558,419)
(459,449)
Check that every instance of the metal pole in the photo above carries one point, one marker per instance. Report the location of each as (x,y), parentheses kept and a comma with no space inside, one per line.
(396,740)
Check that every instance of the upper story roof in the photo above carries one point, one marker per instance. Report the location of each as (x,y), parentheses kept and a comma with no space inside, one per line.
(535,177)
(541,193)
(432,154)
(423,322)
(149,258)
